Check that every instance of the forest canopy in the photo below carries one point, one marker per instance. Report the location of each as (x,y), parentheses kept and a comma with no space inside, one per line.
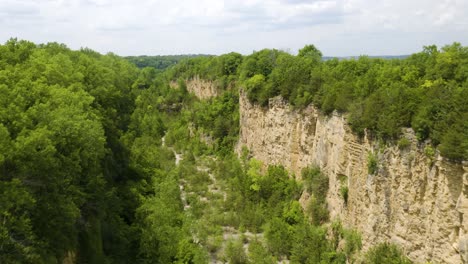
(427,91)
(63,168)
(90,147)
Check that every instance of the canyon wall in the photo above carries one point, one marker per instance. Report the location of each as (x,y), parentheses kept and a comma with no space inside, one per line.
(203,89)
(417,202)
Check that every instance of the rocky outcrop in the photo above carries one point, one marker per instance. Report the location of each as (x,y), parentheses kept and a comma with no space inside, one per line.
(417,202)
(203,89)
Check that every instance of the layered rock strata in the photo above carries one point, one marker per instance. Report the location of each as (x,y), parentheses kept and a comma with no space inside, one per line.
(415,201)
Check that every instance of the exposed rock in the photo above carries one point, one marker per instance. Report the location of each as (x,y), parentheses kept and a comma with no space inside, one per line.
(203,89)
(70,258)
(417,204)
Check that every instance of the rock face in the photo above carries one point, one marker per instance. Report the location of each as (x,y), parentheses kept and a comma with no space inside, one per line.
(201,88)
(411,200)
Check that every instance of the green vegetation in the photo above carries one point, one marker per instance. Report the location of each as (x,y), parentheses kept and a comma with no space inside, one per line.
(372,163)
(220,69)
(344,192)
(427,91)
(386,253)
(316,183)
(102,162)
(159,62)
(235,253)
(63,166)
(403,143)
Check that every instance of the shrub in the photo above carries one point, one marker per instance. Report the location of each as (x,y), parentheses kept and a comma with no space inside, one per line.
(235,253)
(259,254)
(279,237)
(254,87)
(403,143)
(344,193)
(386,253)
(315,182)
(429,152)
(318,211)
(353,242)
(371,163)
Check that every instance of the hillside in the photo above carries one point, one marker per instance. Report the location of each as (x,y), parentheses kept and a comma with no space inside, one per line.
(263,158)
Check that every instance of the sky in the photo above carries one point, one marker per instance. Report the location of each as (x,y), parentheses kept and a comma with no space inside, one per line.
(161,27)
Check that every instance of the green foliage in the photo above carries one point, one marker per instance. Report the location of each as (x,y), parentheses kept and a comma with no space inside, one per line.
(87,141)
(220,118)
(350,237)
(372,165)
(17,241)
(316,183)
(311,246)
(255,89)
(279,235)
(344,192)
(381,96)
(235,253)
(189,252)
(310,51)
(161,222)
(353,242)
(426,91)
(63,113)
(429,152)
(222,70)
(454,144)
(159,62)
(318,211)
(403,143)
(386,253)
(259,254)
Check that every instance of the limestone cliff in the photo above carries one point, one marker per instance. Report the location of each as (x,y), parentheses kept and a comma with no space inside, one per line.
(418,203)
(203,89)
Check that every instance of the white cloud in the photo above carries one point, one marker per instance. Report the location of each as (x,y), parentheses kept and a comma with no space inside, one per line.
(338,27)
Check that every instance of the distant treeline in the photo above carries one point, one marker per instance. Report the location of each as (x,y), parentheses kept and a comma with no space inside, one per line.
(160,62)
(387,57)
(427,91)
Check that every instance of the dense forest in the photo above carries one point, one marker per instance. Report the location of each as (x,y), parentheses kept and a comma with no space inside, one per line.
(159,62)
(427,91)
(103,162)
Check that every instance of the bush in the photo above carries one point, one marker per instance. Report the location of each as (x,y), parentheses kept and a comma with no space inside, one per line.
(279,237)
(258,254)
(429,152)
(344,190)
(318,211)
(254,88)
(353,242)
(386,253)
(235,253)
(311,246)
(371,163)
(315,182)
(403,143)
(189,252)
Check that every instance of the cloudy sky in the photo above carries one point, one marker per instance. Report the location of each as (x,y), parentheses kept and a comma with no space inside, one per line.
(336,27)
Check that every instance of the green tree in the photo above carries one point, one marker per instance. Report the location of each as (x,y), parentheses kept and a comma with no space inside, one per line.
(386,253)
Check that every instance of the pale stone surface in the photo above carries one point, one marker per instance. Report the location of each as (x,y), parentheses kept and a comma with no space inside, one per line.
(201,88)
(411,201)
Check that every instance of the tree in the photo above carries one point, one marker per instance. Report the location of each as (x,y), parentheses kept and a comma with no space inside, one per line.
(310,52)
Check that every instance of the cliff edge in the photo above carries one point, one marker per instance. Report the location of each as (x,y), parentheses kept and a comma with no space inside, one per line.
(415,201)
